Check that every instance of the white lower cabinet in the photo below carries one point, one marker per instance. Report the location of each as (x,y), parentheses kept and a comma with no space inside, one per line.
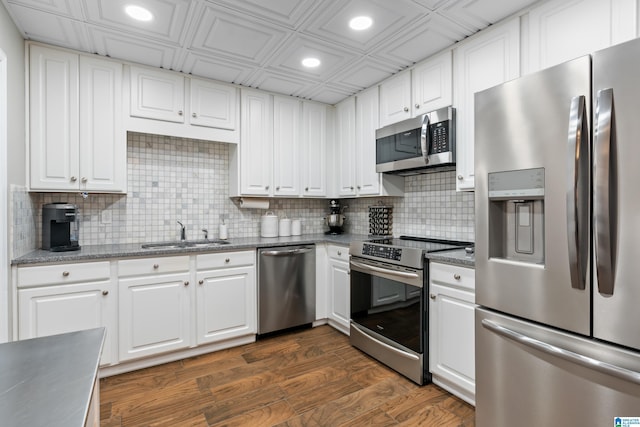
(451,329)
(56,299)
(226,296)
(338,280)
(154,306)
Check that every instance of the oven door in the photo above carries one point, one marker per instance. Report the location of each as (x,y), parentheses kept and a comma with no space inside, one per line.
(388,300)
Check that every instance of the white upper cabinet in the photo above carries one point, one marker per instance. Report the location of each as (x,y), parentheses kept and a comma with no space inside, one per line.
(181,106)
(256,148)
(345,148)
(561,30)
(489,58)
(431,84)
(426,87)
(287,114)
(314,149)
(76,138)
(213,104)
(395,99)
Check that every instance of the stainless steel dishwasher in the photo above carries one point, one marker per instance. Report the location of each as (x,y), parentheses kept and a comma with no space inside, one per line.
(286,287)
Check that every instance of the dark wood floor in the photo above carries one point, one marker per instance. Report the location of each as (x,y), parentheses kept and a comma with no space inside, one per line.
(304,378)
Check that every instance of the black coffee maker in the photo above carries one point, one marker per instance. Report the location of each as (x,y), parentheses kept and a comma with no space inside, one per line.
(60,227)
(335,219)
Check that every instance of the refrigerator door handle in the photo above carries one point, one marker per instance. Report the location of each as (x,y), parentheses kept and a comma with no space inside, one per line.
(570,356)
(425,139)
(602,208)
(578,192)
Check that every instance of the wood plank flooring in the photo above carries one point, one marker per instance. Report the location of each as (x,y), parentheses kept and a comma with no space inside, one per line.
(305,378)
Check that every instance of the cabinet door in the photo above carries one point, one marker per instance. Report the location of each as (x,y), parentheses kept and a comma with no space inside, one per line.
(431,84)
(154,315)
(368,180)
(591,24)
(103,148)
(287,113)
(395,99)
(157,94)
(213,104)
(226,304)
(53,119)
(339,297)
(346,147)
(488,59)
(256,142)
(452,339)
(59,309)
(314,150)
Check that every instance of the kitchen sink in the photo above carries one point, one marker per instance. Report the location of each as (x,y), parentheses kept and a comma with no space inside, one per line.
(185,244)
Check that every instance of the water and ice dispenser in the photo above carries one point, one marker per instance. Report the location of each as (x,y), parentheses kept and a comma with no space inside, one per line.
(516,215)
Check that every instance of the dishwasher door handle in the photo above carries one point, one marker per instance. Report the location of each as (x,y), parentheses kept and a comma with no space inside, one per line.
(287,252)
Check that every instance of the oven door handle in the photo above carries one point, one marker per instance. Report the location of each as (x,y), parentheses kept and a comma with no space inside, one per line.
(371,268)
(387,346)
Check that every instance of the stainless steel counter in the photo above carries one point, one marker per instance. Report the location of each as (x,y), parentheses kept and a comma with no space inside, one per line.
(49,381)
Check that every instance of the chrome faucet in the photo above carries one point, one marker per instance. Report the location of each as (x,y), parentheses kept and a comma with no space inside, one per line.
(206,233)
(183,234)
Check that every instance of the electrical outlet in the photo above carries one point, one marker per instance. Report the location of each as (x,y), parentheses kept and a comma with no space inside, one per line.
(105,217)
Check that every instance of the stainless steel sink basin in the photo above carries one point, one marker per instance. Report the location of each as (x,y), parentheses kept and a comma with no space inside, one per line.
(185,244)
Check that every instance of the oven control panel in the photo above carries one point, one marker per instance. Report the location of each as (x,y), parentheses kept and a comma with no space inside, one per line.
(378,251)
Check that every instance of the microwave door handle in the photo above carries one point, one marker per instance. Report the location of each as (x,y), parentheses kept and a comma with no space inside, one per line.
(425,138)
(578,164)
(603,214)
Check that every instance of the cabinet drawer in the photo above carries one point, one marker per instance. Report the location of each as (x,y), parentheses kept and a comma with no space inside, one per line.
(63,273)
(225,259)
(338,252)
(133,267)
(452,275)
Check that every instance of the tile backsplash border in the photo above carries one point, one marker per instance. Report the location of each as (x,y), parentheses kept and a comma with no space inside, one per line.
(171,179)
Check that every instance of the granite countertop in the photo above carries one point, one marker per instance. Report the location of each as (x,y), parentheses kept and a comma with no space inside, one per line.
(455,256)
(95,252)
(98,252)
(49,381)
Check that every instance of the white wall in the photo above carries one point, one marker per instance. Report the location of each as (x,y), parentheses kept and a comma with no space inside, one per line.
(12,145)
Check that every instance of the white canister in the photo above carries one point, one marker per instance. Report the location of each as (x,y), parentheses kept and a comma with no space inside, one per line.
(269,225)
(285,227)
(296,227)
(223,232)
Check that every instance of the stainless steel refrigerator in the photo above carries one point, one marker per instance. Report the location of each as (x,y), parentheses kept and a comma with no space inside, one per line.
(557,170)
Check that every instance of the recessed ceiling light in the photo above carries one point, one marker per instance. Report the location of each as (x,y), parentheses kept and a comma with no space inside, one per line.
(360,23)
(311,62)
(138,12)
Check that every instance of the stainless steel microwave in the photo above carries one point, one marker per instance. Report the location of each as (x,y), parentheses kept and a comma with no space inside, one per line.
(417,145)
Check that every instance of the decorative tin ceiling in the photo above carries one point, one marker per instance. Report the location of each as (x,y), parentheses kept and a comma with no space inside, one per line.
(260,43)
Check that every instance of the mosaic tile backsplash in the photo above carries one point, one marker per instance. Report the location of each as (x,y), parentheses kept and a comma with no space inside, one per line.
(176,179)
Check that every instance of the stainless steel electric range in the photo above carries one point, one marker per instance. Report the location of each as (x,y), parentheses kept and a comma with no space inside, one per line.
(389,309)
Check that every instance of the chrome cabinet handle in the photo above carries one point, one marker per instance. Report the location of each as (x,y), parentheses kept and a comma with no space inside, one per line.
(74,179)
(186,283)
(84,179)
(460,177)
(278,188)
(200,282)
(351,188)
(417,106)
(306,188)
(578,359)
(194,115)
(456,276)
(406,109)
(266,187)
(105,292)
(604,224)
(155,266)
(65,274)
(578,192)
(339,253)
(180,112)
(227,260)
(432,296)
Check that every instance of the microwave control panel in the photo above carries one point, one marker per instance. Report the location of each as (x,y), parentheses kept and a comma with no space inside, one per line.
(439,137)
(385,252)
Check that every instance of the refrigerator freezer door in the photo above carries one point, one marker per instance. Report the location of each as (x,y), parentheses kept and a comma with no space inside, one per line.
(616,197)
(520,383)
(529,124)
